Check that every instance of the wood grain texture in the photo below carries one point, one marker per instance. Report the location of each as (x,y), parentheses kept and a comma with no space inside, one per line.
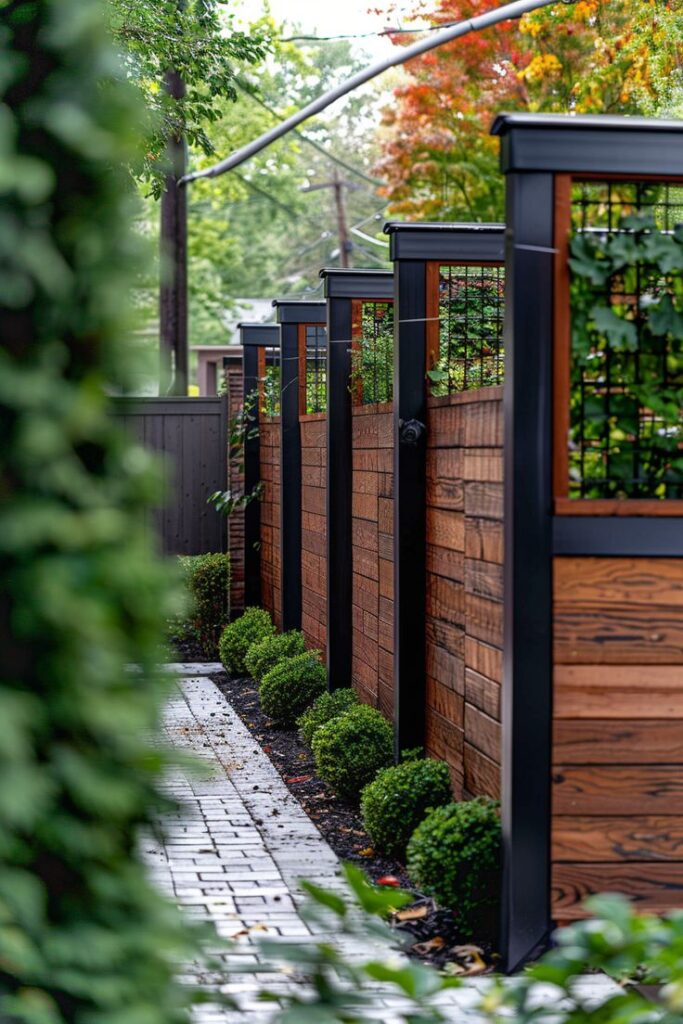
(652,887)
(618,741)
(630,837)
(617,789)
(630,581)
(618,691)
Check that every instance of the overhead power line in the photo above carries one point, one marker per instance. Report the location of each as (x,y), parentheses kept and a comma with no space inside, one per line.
(369,35)
(249,91)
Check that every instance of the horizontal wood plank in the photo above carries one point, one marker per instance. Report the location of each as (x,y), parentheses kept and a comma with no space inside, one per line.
(617,789)
(653,888)
(618,691)
(613,839)
(624,581)
(615,741)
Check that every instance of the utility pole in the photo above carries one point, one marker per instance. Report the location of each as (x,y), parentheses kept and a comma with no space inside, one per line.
(338,185)
(173,354)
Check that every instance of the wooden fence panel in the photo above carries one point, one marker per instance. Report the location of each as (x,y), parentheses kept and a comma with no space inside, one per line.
(372,556)
(464,620)
(314,530)
(271,586)
(191,436)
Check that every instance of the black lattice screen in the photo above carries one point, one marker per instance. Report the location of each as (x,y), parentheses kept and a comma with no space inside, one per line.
(626,435)
(470,329)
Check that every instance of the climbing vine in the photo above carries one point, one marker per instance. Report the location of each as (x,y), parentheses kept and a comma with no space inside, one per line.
(626,436)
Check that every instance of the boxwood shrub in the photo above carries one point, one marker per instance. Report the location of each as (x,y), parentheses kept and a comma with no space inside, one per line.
(351,749)
(395,803)
(266,654)
(325,708)
(236,639)
(207,578)
(290,687)
(454,855)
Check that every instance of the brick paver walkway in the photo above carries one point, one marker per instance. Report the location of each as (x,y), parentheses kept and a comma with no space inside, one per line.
(235,852)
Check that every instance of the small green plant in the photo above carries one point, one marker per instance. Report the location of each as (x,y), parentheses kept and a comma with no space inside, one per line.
(266,654)
(290,687)
(351,749)
(207,578)
(395,803)
(236,639)
(327,707)
(455,854)
(243,427)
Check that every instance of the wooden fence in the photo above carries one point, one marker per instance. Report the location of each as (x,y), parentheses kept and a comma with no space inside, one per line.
(191,436)
(504,562)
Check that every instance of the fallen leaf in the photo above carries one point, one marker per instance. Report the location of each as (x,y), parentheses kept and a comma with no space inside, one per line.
(389,880)
(298,778)
(453,969)
(429,946)
(267,750)
(412,913)
(472,957)
(367,852)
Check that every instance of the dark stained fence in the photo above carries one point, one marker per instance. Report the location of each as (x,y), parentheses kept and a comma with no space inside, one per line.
(191,435)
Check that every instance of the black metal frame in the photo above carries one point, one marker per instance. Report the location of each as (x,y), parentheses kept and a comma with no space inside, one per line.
(534,149)
(290,314)
(413,246)
(253,337)
(342,287)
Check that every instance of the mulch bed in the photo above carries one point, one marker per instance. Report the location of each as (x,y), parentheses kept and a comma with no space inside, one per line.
(432,933)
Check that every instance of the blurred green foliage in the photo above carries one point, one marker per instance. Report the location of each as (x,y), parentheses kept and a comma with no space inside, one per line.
(83,935)
(207,579)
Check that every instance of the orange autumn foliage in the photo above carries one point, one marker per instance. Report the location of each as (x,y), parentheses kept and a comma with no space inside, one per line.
(438,161)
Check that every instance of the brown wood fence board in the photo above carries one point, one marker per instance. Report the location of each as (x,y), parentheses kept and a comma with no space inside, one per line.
(653,887)
(620,741)
(631,837)
(617,789)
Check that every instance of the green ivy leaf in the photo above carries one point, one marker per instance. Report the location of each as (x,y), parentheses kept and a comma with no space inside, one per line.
(620,334)
(664,319)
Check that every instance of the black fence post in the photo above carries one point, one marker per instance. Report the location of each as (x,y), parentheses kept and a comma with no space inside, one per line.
(409,503)
(292,316)
(254,338)
(341,288)
(414,249)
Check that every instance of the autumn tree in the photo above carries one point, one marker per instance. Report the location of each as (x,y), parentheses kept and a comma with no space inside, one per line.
(594,56)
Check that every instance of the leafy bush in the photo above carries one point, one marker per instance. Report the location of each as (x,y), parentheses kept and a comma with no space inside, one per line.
(327,707)
(207,579)
(351,749)
(455,854)
(266,654)
(291,686)
(85,936)
(395,803)
(236,639)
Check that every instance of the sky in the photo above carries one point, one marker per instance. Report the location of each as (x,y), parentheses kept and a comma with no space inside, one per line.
(324,17)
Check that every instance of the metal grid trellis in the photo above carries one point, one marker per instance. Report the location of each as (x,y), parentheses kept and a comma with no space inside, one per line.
(315,339)
(470,348)
(271,383)
(626,373)
(373,352)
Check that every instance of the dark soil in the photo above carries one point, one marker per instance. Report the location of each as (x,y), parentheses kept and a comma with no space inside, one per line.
(432,935)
